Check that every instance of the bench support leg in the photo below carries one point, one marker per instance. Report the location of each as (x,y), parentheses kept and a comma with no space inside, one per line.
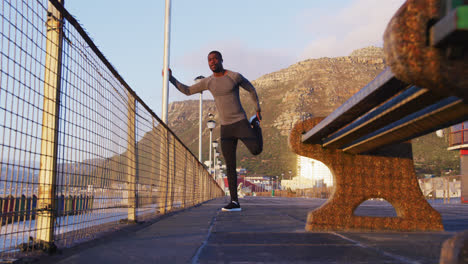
(388,174)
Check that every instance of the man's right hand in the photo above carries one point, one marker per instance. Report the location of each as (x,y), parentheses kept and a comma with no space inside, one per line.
(169,71)
(259,116)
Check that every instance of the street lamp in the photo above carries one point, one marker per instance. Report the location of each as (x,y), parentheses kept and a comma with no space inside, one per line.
(200,130)
(216,171)
(219,167)
(215,157)
(211,124)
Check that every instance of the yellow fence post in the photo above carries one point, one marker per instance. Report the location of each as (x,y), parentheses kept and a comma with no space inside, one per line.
(154,164)
(168,175)
(50,120)
(200,186)
(194,183)
(172,175)
(184,188)
(131,160)
(164,170)
(203,187)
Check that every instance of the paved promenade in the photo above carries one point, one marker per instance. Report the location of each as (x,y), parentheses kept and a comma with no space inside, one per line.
(268,230)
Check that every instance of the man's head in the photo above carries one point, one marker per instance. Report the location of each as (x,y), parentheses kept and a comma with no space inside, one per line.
(215,61)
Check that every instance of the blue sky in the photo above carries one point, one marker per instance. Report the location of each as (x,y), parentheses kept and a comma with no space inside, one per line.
(256,37)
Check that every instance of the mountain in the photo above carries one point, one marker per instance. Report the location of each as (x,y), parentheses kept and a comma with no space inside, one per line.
(309,88)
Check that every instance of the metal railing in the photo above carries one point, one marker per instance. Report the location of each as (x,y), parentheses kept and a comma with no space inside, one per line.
(314,192)
(80,151)
(458,135)
(444,189)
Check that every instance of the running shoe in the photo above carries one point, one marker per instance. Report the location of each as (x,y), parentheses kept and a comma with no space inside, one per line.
(232,207)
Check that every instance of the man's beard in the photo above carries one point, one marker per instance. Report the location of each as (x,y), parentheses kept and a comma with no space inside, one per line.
(218,69)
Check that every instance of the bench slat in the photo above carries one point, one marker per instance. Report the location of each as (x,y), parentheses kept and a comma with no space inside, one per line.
(447,112)
(384,86)
(451,29)
(409,101)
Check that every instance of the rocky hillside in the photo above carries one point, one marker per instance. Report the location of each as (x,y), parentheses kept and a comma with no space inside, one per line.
(309,88)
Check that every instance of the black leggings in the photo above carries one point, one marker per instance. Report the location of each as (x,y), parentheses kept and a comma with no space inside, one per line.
(230,134)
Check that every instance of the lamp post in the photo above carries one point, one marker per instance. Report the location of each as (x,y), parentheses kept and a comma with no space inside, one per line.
(215,157)
(200,127)
(211,124)
(167,31)
(214,144)
(218,167)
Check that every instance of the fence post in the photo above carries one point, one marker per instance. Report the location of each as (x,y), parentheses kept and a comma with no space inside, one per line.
(164,171)
(185,181)
(131,159)
(204,188)
(197,185)
(448,190)
(200,188)
(50,121)
(168,173)
(194,183)
(154,156)
(172,186)
(444,188)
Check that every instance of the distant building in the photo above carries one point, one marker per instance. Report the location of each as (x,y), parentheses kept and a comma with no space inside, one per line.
(311,173)
(315,170)
(297,183)
(458,140)
(246,185)
(440,187)
(241,171)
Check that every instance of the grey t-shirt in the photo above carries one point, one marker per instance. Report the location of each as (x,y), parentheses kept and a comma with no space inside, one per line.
(225,90)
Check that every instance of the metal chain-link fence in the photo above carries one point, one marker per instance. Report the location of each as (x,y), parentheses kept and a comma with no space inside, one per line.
(80,151)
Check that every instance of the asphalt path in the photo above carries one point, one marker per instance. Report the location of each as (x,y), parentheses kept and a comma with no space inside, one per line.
(267,230)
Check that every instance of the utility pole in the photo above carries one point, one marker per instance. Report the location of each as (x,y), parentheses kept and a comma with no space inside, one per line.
(167,31)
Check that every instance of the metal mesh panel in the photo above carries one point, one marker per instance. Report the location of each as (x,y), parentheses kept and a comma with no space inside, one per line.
(22,60)
(93,153)
(149,164)
(80,152)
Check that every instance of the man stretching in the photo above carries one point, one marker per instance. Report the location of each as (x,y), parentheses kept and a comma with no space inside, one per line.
(224,86)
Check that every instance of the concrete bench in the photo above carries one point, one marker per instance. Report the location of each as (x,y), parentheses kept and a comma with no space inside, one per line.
(365,142)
